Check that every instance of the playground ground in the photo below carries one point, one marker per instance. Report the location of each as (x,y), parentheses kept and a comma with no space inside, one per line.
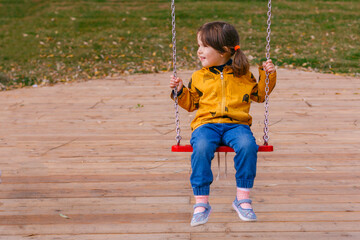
(92,161)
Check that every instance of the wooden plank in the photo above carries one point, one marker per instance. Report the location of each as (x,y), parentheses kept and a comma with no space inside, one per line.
(278,235)
(144,218)
(345,203)
(148,189)
(160,168)
(165,236)
(159,228)
(78,207)
(268,178)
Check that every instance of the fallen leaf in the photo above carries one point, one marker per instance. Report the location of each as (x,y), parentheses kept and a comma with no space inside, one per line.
(63,216)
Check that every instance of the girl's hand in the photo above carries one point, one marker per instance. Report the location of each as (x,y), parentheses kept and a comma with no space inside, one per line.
(268,66)
(176,82)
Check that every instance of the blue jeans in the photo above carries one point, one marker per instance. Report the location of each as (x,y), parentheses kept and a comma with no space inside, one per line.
(206,138)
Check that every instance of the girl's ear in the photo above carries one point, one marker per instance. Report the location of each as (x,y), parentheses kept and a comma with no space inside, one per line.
(226,53)
(227,50)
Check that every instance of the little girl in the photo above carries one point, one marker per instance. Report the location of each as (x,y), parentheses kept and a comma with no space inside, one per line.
(221,92)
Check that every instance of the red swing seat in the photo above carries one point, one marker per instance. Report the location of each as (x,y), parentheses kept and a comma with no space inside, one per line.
(188,148)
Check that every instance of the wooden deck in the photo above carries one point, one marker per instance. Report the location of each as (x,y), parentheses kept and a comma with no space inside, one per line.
(92,161)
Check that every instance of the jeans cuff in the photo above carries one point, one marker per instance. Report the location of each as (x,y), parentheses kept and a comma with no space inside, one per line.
(205,190)
(244,183)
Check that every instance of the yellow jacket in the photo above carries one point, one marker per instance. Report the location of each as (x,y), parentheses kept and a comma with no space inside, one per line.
(220,97)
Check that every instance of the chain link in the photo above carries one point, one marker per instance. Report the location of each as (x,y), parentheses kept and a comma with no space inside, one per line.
(266,121)
(176,104)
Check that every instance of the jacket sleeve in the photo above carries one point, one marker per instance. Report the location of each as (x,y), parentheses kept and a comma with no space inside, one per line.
(188,98)
(258,92)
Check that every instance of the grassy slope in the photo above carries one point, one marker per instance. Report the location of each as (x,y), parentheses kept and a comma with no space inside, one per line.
(45,41)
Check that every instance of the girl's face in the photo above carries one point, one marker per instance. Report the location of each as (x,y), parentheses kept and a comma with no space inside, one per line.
(208,56)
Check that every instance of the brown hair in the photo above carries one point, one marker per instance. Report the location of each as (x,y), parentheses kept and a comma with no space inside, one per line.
(223,37)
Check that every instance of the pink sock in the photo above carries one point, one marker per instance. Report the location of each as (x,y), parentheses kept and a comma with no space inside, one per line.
(201,199)
(243,193)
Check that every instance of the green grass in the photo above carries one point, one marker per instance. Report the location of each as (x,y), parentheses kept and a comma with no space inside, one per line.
(47,41)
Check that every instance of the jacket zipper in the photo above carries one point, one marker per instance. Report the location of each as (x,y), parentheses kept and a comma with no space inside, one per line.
(223,94)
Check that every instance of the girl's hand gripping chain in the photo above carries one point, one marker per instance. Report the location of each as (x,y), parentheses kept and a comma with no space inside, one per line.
(268,66)
(176,82)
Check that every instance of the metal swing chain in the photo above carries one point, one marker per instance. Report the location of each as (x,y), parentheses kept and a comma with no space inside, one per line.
(176,105)
(266,121)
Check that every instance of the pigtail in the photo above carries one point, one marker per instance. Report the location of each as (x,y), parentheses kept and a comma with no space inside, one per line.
(240,64)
